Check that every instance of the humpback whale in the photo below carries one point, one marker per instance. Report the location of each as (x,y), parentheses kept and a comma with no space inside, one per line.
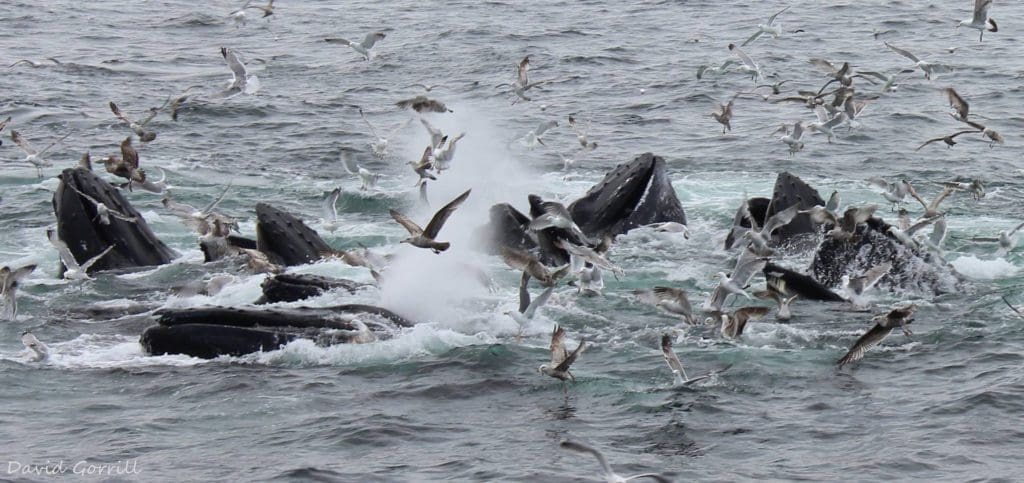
(209,332)
(632,194)
(79,225)
(285,239)
(286,287)
(789,190)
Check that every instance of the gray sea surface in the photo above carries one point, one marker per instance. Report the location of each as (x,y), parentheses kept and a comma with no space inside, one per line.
(458,397)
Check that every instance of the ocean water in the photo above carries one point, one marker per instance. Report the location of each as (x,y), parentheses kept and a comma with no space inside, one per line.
(458,397)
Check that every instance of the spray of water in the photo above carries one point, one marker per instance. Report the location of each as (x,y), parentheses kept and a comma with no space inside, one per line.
(433,287)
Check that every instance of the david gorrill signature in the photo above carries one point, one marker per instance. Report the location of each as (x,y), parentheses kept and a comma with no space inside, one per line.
(82,467)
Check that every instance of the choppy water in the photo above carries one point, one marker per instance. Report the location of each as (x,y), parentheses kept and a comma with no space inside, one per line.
(458,397)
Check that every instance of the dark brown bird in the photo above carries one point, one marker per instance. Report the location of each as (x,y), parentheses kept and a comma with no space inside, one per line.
(884,325)
(137,127)
(957,103)
(127,166)
(949,140)
(423,104)
(425,237)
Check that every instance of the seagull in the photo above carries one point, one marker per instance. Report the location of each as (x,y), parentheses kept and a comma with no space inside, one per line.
(561,358)
(556,215)
(776,291)
(888,81)
(723,113)
(10,280)
(581,135)
(202,221)
(929,68)
(1014,309)
(792,138)
(949,140)
(33,157)
(524,316)
(72,270)
(425,238)
(748,264)
(158,186)
(712,69)
(606,469)
(31,343)
(671,227)
(241,82)
(591,282)
(748,65)
(826,123)
(894,193)
(856,286)
(137,127)
(176,103)
(425,87)
(734,323)
(524,261)
(958,104)
(103,213)
(590,255)
(437,138)
(993,136)
(423,167)
(423,104)
(536,136)
(839,74)
(443,155)
(761,237)
(851,218)
(34,64)
(884,325)
(367,177)
(930,209)
(675,301)
(3,124)
(329,210)
(267,10)
(767,28)
(676,366)
(127,166)
(975,187)
(1007,240)
(522,82)
(380,143)
(365,47)
(979,19)
(852,109)
(730,285)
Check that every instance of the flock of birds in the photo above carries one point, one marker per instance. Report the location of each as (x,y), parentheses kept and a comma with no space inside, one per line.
(835,104)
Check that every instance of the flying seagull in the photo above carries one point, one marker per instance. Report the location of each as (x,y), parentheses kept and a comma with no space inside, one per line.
(734,323)
(368,178)
(723,113)
(241,81)
(770,28)
(139,128)
(365,47)
(561,358)
(606,469)
(929,68)
(675,301)
(33,157)
(527,263)
(675,365)
(127,166)
(72,269)
(380,143)
(523,317)
(329,210)
(979,19)
(747,64)
(103,212)
(884,325)
(425,238)
(10,280)
(423,104)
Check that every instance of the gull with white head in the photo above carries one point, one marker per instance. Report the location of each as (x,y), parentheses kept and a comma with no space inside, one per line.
(366,177)
(72,269)
(561,358)
(33,157)
(979,19)
(241,82)
(364,48)
(606,469)
(10,280)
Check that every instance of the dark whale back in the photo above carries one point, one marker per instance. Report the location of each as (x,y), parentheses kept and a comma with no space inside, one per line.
(285,239)
(791,190)
(633,194)
(135,245)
